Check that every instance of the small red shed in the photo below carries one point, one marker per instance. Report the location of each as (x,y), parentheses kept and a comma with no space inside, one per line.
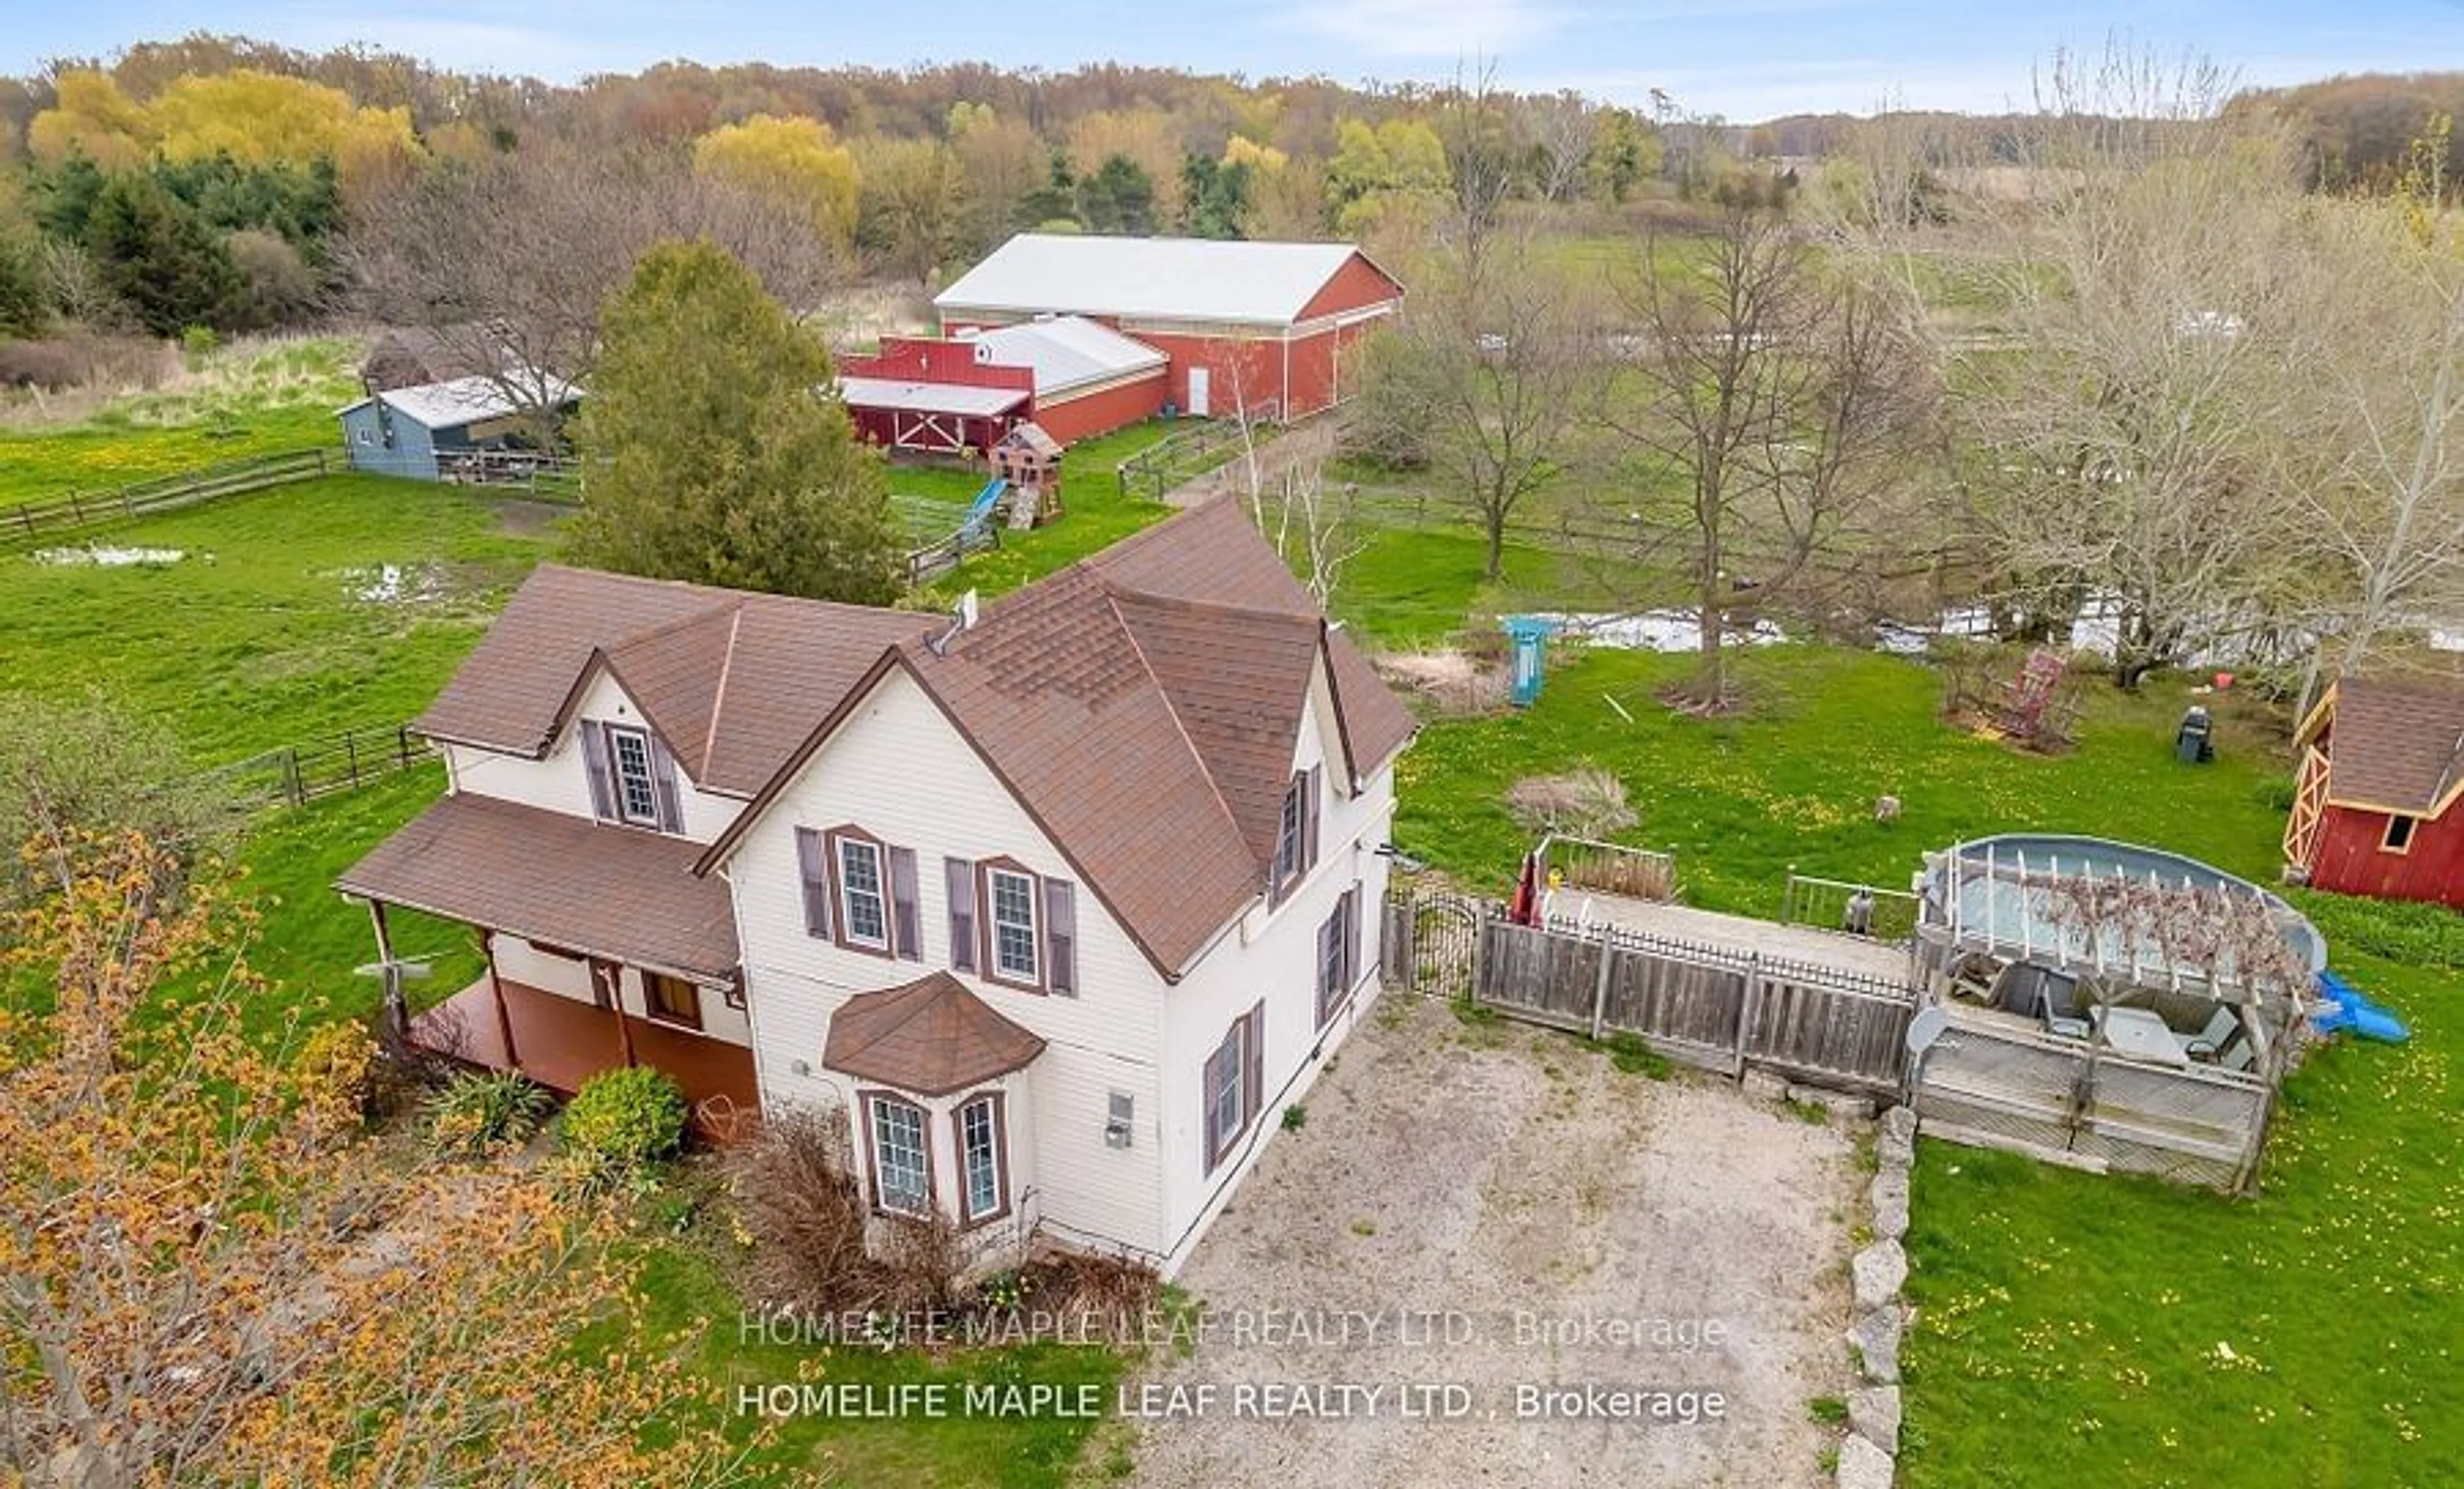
(2374,808)
(1076,377)
(1268,327)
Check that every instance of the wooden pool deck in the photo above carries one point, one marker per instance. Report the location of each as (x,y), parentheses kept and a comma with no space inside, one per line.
(1744,934)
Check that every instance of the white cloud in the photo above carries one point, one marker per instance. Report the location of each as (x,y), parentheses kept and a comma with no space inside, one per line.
(1430,27)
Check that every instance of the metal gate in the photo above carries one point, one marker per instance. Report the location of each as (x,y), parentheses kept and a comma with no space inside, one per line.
(1431,942)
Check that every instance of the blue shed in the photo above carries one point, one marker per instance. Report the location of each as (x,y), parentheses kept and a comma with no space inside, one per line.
(416,431)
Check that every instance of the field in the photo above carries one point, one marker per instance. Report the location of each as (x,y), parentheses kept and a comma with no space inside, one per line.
(2072,1330)
(252,399)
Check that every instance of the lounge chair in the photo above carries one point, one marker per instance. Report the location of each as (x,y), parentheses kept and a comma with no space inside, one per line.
(2206,1044)
(2240,1055)
(2060,1014)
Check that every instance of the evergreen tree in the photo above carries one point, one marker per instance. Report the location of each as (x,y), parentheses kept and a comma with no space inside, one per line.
(713,449)
(25,299)
(156,253)
(1055,202)
(1215,197)
(1118,198)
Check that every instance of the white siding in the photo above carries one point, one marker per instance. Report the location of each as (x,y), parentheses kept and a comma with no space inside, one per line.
(898,770)
(519,961)
(1272,959)
(561,783)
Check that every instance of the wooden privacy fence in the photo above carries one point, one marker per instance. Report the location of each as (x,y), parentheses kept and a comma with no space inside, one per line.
(2005,1084)
(77,512)
(294,774)
(1709,1006)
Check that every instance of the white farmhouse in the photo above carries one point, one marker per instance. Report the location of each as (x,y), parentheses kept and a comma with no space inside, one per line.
(1059,908)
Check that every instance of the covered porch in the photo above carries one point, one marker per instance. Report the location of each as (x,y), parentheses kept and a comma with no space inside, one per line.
(498,1023)
(603,950)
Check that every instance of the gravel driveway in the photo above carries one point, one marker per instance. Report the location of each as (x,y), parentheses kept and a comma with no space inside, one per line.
(1476,1213)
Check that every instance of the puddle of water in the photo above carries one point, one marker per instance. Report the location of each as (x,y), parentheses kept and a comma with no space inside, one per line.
(395,583)
(1657,631)
(107,558)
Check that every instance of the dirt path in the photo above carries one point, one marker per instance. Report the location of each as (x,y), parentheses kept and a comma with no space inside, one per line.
(1507,1202)
(1311,440)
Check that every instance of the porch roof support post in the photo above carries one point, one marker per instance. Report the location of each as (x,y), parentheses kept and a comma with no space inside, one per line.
(496,990)
(397,1013)
(612,981)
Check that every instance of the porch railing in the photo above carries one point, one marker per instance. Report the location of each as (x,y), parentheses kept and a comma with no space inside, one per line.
(1843,905)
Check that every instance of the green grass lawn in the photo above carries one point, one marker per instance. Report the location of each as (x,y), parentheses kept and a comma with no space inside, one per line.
(292,614)
(1739,801)
(253,399)
(2073,1328)
(686,1297)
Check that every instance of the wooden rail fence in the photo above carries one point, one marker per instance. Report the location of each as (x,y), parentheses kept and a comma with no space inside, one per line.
(297,773)
(80,512)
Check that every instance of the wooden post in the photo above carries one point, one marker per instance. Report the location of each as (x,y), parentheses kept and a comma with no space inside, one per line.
(397,1012)
(1747,1006)
(1600,984)
(351,752)
(1478,948)
(611,978)
(497,989)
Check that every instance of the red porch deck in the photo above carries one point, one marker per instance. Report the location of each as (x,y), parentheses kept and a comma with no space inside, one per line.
(563,1042)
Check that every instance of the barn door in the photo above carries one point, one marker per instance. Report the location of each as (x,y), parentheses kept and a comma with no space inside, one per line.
(1197,391)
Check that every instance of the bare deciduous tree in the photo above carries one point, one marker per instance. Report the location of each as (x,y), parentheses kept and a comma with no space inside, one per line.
(2126,453)
(1485,380)
(509,262)
(1562,128)
(2381,470)
(1788,395)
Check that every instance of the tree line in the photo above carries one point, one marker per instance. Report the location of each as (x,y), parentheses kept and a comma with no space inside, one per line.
(2145,371)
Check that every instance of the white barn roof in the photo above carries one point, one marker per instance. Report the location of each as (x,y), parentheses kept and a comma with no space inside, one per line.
(1165,278)
(913,397)
(1065,352)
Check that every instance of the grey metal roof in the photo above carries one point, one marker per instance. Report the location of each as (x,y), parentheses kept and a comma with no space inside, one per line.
(460,401)
(1167,279)
(1066,352)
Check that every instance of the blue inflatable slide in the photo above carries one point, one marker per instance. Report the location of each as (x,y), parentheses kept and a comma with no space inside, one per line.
(2348,1011)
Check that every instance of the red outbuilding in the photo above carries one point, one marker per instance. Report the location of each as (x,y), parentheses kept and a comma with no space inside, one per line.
(1262,327)
(1074,377)
(2374,809)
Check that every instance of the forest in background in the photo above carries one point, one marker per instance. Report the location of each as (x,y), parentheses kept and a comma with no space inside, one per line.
(234,184)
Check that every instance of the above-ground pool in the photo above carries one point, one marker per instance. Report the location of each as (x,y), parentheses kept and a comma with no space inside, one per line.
(1987,900)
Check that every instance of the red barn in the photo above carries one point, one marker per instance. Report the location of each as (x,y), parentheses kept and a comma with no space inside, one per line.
(1262,326)
(1072,376)
(2374,809)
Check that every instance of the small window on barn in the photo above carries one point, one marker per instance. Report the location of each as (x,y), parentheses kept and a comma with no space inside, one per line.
(2399,833)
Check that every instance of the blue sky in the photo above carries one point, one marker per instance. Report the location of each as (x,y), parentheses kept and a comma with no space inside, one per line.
(1742,58)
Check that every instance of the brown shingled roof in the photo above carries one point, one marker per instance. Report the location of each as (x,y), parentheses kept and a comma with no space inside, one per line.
(1143,706)
(617,892)
(733,681)
(930,1036)
(2394,747)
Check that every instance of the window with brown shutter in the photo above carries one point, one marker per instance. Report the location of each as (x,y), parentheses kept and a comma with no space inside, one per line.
(959,879)
(1061,936)
(594,765)
(1233,1084)
(907,930)
(663,781)
(812,870)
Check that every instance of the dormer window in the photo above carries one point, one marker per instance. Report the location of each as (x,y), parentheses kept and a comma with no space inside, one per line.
(1296,832)
(637,789)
